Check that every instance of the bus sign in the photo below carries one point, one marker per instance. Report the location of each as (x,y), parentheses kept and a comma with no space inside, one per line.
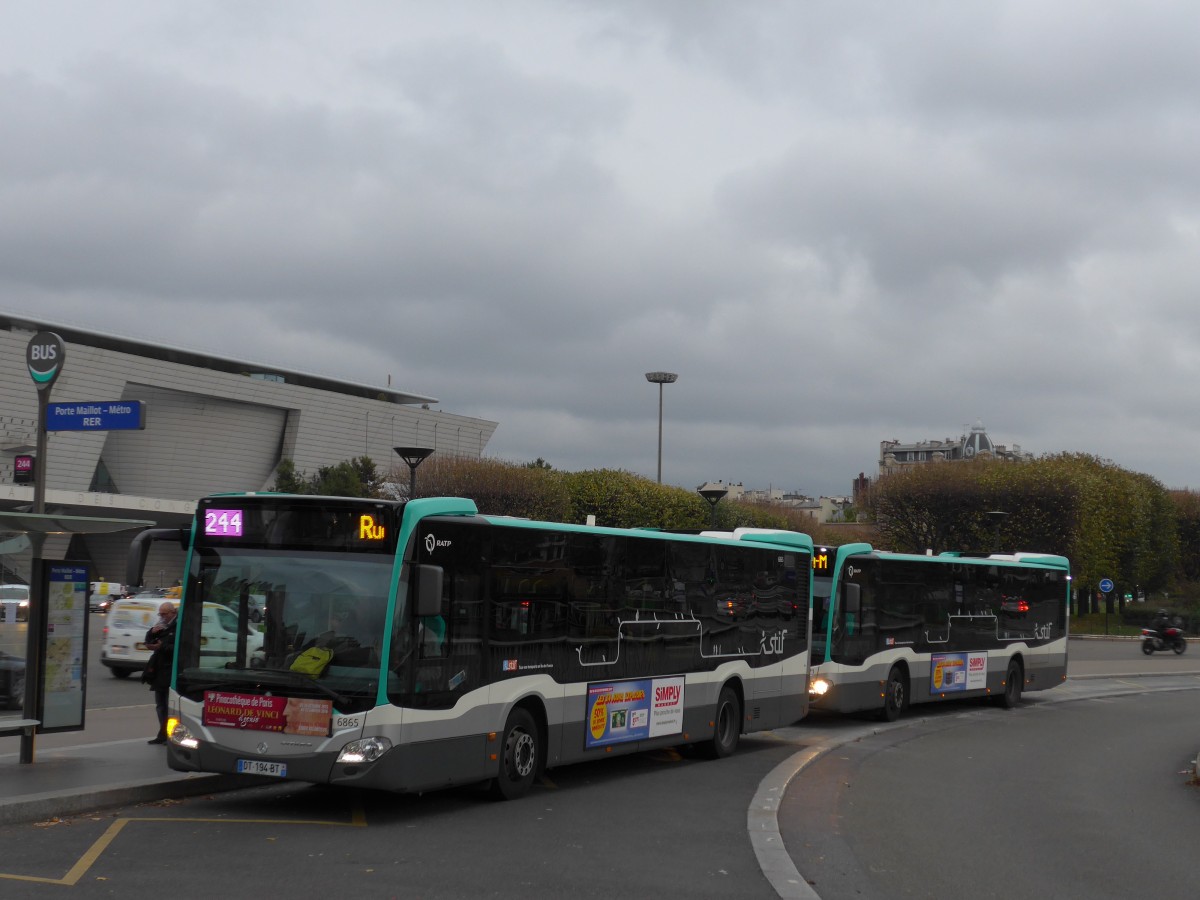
(44,355)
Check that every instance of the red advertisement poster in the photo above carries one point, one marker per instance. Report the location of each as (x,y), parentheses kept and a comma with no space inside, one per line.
(289,715)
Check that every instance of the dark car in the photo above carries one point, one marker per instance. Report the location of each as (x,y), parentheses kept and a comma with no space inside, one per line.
(102,595)
(12,681)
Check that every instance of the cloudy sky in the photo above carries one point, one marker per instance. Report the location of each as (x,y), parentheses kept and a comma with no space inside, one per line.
(839,223)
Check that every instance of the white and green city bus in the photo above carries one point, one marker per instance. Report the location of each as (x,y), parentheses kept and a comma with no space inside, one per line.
(412,646)
(892,629)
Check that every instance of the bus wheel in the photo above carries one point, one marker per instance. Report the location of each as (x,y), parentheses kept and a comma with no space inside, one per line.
(895,695)
(728,726)
(1012,686)
(518,757)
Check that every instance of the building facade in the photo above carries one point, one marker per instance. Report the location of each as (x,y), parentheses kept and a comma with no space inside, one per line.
(212,424)
(895,456)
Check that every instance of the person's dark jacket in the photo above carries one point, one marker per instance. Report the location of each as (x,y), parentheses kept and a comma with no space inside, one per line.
(157,673)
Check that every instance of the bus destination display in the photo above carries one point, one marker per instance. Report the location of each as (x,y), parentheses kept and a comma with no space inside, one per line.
(223,522)
(331,526)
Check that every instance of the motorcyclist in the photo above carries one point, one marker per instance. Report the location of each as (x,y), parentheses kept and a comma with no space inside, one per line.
(1160,623)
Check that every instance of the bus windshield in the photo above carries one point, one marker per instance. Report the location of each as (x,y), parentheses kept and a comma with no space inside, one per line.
(253,612)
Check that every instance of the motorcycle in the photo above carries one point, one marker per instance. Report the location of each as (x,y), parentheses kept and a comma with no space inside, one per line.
(1170,639)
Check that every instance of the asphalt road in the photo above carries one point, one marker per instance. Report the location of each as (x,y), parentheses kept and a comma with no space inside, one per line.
(1088,799)
(1053,799)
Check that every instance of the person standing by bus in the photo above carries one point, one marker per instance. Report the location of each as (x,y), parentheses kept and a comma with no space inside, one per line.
(161,639)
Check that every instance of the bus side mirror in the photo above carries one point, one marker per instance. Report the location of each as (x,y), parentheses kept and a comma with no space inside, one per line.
(429,590)
(853,595)
(139,549)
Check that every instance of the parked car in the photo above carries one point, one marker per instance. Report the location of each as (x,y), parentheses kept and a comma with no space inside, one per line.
(14,602)
(12,680)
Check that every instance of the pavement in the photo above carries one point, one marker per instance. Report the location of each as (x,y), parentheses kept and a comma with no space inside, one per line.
(106,764)
(109,763)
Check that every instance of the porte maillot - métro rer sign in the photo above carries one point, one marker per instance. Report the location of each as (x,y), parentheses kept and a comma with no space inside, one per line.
(96,415)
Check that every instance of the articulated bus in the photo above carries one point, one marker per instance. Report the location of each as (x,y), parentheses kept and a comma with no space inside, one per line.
(892,629)
(415,645)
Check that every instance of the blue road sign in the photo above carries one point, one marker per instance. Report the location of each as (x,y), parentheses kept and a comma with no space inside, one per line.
(96,415)
(1106,585)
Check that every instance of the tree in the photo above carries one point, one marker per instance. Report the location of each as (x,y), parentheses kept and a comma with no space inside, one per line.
(288,480)
(1108,521)
(934,507)
(1187,519)
(355,477)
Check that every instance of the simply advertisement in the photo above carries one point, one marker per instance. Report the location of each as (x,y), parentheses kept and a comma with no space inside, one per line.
(623,711)
(957,672)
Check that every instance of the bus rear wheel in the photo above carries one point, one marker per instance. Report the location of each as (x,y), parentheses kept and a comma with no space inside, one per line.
(895,695)
(728,726)
(518,757)
(1012,686)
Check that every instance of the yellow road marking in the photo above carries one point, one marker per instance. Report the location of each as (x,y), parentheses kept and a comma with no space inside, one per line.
(358,819)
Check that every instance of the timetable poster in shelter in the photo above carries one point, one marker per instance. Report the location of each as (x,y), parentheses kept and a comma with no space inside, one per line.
(65,649)
(623,711)
(957,672)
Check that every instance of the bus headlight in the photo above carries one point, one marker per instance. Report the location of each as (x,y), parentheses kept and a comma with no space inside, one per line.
(364,750)
(179,734)
(819,687)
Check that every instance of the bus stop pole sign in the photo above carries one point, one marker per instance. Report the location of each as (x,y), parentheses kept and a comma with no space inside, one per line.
(44,355)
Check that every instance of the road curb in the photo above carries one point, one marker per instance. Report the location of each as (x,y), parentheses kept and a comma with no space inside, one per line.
(1071,678)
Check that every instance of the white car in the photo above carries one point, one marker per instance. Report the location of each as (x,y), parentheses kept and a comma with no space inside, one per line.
(124,650)
(14,602)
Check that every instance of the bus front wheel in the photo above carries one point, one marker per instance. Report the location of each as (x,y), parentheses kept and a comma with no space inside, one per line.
(895,695)
(727,726)
(518,757)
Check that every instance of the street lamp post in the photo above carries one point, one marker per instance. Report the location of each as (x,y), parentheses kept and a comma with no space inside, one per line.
(713,496)
(414,456)
(660,378)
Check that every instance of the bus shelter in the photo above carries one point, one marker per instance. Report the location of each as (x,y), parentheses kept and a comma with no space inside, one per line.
(57,638)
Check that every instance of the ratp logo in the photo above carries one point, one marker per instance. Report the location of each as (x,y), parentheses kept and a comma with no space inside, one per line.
(432,543)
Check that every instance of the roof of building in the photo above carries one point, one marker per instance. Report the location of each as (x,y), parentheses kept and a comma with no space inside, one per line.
(152,350)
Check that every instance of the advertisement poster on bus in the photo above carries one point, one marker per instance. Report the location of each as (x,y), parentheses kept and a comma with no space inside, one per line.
(957,672)
(623,711)
(288,715)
